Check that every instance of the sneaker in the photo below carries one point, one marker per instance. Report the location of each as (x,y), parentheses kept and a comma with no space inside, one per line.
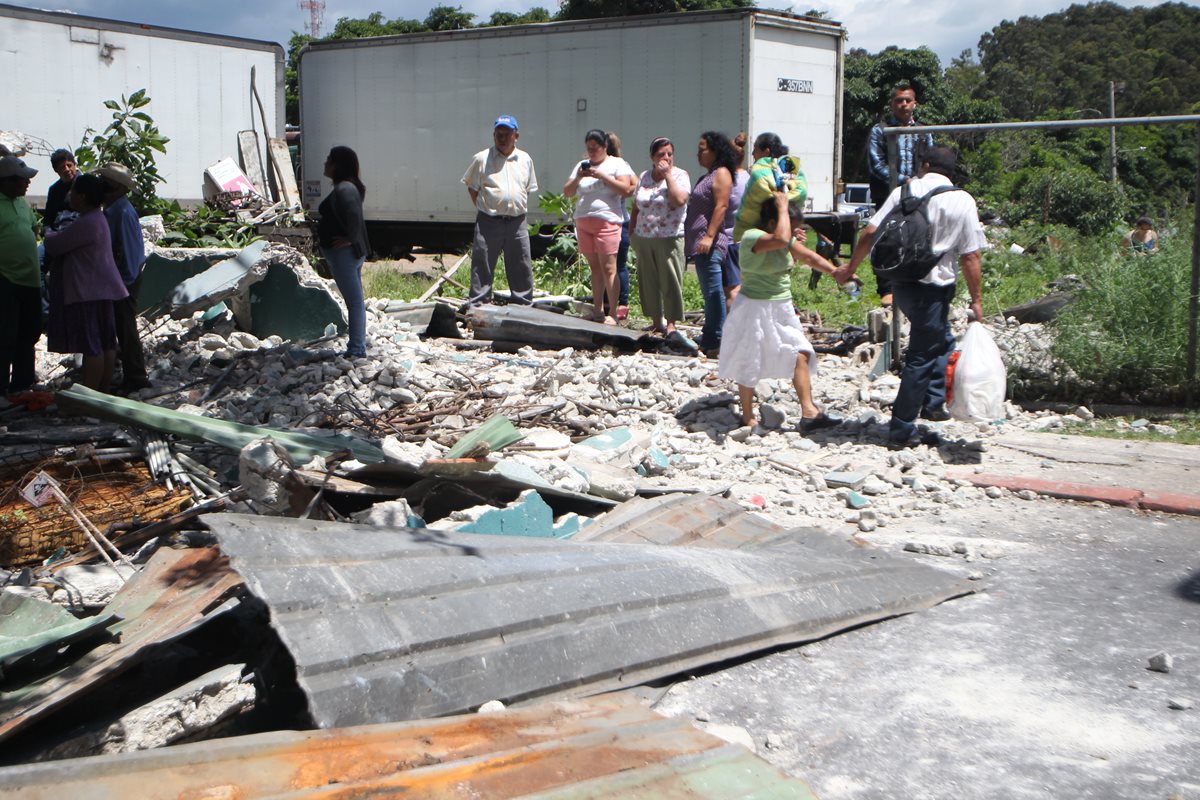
(676,340)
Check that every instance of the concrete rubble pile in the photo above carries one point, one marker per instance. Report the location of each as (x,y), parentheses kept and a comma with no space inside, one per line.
(436,434)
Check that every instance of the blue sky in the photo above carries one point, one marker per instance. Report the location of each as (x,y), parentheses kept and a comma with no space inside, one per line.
(946,26)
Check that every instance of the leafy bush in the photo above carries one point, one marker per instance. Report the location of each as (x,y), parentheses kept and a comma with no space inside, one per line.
(202,227)
(131,139)
(1126,332)
(1072,196)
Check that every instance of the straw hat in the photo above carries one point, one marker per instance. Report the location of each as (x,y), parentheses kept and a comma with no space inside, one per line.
(118,174)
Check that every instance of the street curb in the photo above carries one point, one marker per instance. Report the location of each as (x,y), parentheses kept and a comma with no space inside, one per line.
(1170,502)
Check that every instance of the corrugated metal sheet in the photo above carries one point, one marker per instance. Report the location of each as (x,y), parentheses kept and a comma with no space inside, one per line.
(600,748)
(398,624)
(232,435)
(700,520)
(169,597)
(29,627)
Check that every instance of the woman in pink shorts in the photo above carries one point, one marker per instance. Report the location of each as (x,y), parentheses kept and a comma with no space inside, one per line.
(602,182)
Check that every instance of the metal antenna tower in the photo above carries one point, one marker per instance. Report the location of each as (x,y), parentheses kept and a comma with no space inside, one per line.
(316,16)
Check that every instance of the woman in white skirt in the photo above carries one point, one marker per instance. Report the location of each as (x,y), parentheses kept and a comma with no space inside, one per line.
(763,338)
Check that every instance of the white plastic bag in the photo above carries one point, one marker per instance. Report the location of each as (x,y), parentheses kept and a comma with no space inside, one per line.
(979,380)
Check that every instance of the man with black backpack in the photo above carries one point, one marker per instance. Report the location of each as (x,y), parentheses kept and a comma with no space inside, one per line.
(922,234)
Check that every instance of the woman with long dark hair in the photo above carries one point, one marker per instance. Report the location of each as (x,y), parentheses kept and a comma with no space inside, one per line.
(705,236)
(602,183)
(342,234)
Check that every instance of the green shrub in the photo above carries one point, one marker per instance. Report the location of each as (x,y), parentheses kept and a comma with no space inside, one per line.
(131,139)
(1126,331)
(1073,196)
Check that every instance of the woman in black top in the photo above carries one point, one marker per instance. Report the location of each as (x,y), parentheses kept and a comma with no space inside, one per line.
(342,233)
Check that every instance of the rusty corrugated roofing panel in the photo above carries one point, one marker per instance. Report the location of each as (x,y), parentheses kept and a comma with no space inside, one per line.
(598,748)
(401,624)
(169,597)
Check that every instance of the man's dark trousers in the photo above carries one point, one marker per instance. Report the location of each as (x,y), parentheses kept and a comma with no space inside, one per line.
(493,236)
(129,341)
(923,380)
(20,327)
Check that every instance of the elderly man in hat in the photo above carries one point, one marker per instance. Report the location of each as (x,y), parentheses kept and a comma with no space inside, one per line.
(129,253)
(20,279)
(499,181)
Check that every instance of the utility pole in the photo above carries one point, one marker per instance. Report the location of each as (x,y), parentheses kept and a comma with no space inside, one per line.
(316,16)
(1113,87)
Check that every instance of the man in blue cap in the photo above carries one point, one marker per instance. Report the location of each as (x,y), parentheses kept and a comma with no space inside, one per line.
(500,180)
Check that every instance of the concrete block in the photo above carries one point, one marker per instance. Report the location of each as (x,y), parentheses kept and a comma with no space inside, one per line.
(851,480)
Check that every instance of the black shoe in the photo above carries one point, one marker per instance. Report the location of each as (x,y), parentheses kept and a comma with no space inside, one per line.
(816,423)
(936,413)
(131,385)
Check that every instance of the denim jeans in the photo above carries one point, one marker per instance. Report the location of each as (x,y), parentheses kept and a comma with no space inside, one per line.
(623,265)
(923,380)
(708,271)
(347,274)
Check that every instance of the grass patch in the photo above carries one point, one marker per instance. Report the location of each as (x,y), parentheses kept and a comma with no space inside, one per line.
(386,280)
(1186,425)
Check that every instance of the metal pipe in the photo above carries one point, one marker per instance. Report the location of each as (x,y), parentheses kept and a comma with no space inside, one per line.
(1112,131)
(1194,299)
(983,127)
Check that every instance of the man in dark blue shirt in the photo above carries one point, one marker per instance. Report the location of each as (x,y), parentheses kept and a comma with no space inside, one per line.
(129,251)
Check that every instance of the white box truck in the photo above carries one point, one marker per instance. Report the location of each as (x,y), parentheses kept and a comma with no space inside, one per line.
(417,107)
(60,68)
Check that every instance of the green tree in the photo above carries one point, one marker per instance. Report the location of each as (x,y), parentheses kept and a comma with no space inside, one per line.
(535,14)
(448,18)
(131,139)
(595,9)
(867,85)
(291,77)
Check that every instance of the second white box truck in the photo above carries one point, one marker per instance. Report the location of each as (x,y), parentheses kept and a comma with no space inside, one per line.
(417,107)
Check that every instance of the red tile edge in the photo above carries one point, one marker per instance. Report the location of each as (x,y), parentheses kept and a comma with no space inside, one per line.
(1170,502)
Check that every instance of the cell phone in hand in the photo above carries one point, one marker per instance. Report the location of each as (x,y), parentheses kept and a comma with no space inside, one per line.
(585,164)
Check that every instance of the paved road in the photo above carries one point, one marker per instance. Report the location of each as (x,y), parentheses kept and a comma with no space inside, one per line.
(1034,688)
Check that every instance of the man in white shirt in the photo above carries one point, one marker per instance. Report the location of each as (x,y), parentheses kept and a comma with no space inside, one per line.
(500,180)
(958,236)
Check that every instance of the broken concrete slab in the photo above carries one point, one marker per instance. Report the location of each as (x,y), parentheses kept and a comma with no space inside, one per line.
(224,280)
(279,294)
(528,516)
(391,624)
(290,304)
(194,709)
